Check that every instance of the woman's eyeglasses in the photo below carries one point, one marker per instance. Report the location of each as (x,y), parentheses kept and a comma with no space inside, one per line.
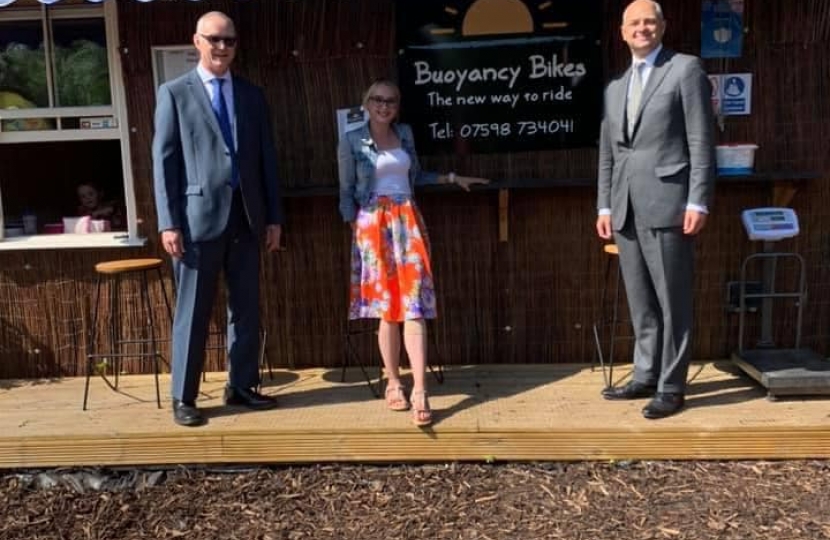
(380,100)
(229,41)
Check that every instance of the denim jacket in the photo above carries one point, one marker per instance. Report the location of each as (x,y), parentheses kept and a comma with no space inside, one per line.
(357,158)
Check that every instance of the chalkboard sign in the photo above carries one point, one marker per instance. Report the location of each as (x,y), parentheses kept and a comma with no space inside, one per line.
(500,75)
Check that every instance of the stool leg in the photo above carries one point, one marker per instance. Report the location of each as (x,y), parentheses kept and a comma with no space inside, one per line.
(598,326)
(263,354)
(90,344)
(164,295)
(438,370)
(154,352)
(347,346)
(345,363)
(614,324)
(350,353)
(167,304)
(115,293)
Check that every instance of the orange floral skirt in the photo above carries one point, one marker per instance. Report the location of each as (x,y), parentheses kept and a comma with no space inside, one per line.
(391,276)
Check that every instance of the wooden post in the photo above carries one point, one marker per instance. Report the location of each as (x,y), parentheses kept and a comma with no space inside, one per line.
(504,199)
(783,192)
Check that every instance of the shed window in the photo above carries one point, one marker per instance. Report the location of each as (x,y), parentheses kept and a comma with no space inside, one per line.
(60,87)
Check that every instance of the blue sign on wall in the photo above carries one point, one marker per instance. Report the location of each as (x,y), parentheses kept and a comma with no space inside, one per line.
(722,28)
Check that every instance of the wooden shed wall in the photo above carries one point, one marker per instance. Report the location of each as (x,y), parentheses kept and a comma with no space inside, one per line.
(531,299)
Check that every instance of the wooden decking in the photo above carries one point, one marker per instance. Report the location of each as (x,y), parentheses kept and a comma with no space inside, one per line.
(530,412)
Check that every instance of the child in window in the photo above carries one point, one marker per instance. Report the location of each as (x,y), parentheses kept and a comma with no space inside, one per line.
(92,204)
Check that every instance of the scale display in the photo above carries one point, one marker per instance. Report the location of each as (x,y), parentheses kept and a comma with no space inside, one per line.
(770,224)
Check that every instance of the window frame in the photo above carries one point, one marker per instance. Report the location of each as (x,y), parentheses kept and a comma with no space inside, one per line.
(117,110)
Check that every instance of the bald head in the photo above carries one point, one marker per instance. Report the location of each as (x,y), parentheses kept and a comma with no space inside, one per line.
(212,17)
(215,38)
(643,27)
(647,4)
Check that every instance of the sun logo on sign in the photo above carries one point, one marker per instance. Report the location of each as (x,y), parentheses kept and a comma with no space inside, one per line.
(488,17)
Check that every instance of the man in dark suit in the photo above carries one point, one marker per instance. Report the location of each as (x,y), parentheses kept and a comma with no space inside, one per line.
(217,192)
(656,177)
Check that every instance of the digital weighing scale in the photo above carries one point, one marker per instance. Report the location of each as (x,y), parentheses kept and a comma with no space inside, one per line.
(782,371)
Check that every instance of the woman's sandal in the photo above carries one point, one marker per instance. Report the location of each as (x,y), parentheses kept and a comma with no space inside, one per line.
(396,399)
(421,411)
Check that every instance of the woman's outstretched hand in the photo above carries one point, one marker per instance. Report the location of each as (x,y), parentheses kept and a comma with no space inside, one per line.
(464,182)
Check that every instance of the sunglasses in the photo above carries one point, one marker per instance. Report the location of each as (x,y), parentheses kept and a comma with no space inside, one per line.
(379,100)
(229,41)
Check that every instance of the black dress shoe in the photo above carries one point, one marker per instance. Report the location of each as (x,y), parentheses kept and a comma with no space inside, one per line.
(632,390)
(663,405)
(186,414)
(249,398)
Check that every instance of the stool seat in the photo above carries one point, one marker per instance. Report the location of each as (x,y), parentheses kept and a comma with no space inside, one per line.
(611,249)
(127,265)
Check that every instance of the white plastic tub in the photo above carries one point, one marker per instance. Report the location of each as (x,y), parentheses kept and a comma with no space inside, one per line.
(735,159)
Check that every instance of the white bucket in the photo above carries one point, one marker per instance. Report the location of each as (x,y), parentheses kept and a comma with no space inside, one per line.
(735,159)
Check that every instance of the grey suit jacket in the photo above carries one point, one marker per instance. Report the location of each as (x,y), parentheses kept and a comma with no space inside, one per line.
(670,159)
(192,164)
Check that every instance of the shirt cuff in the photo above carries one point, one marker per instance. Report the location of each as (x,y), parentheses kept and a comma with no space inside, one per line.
(604,212)
(697,208)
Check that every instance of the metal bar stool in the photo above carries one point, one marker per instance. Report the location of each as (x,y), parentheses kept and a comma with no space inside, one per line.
(115,270)
(351,355)
(217,341)
(613,255)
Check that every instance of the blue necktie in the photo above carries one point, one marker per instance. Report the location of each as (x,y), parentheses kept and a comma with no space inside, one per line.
(220,108)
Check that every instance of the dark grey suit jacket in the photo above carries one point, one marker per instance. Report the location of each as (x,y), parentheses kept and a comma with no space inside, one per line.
(192,164)
(669,160)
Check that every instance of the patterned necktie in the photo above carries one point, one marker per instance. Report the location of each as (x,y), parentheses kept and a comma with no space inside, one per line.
(220,108)
(635,93)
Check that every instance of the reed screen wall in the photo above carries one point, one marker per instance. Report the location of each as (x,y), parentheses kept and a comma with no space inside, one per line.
(531,299)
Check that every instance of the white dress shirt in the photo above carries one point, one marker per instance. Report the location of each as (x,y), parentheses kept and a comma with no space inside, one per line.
(227,92)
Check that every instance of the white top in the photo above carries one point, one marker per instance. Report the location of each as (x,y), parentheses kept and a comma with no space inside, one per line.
(392,172)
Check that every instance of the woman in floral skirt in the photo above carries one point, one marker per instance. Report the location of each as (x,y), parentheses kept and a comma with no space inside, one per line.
(391,272)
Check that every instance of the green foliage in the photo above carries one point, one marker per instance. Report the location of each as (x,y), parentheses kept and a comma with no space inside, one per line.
(81,74)
(23,71)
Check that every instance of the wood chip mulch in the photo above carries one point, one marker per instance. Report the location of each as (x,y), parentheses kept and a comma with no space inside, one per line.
(592,501)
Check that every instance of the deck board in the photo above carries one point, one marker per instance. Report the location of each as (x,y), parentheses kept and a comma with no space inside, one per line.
(526,412)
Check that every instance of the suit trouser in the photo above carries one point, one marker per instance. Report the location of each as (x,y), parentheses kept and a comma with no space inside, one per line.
(236,252)
(657,267)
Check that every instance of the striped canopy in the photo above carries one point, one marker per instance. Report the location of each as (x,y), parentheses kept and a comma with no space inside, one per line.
(4,3)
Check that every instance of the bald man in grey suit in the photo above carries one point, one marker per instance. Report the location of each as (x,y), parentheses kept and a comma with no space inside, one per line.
(656,178)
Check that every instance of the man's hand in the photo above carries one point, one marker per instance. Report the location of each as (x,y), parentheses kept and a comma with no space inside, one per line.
(171,241)
(693,222)
(604,227)
(273,233)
